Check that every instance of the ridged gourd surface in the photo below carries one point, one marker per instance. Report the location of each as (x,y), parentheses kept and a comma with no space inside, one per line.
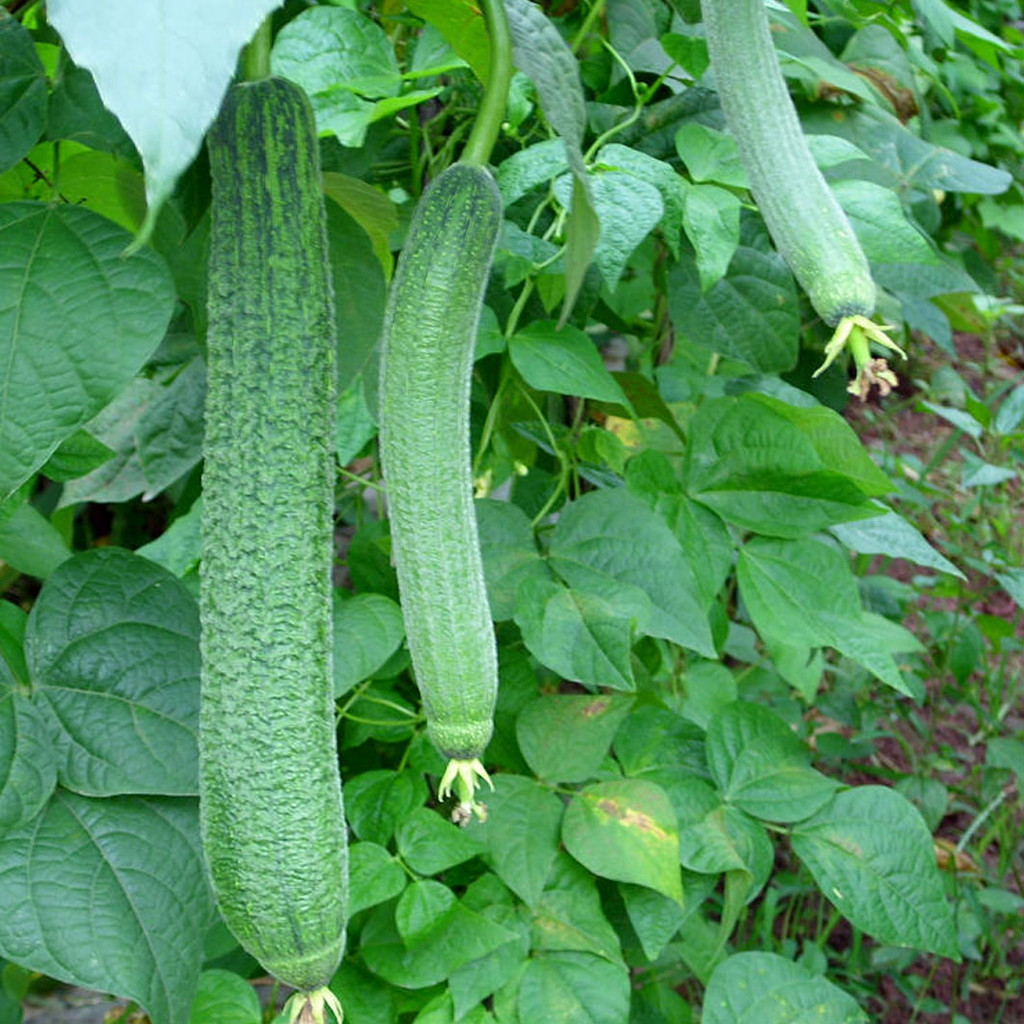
(426,370)
(271,806)
(806,222)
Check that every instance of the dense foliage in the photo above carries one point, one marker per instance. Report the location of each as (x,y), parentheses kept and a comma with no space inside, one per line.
(758,746)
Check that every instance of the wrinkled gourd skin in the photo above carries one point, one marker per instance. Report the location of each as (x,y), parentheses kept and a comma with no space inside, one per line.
(806,222)
(270,793)
(426,368)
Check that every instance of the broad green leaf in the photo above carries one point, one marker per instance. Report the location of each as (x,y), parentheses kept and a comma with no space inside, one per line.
(891,535)
(461,936)
(653,738)
(77,320)
(28,769)
(564,360)
(360,292)
(707,688)
(572,920)
(475,981)
(23,88)
(460,23)
(169,435)
(422,907)
(762,767)
(139,860)
(370,208)
(751,314)
(582,236)
(178,547)
(710,155)
(354,427)
(1011,412)
(787,584)
(715,838)
(30,543)
(429,844)
(162,79)
(872,856)
(368,629)
(655,917)
(75,456)
(344,61)
(574,988)
(628,209)
(77,113)
(613,534)
(13,667)
(522,833)
(565,737)
(527,168)
(366,999)
(374,876)
(662,176)
(114,639)
(539,51)
(441,1010)
(769,989)
(224,997)
(761,465)
(626,830)
(585,635)
(509,552)
(711,217)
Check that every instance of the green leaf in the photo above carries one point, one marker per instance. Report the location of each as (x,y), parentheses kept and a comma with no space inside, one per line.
(162,79)
(102,317)
(582,236)
(374,876)
(540,52)
(751,314)
(30,543)
(661,176)
(475,981)
(626,830)
(429,844)
(366,999)
(137,858)
(75,456)
(574,988)
(460,23)
(522,834)
(769,989)
(583,635)
(890,534)
(613,534)
(708,687)
(628,209)
(224,998)
(762,767)
(360,292)
(368,629)
(711,217)
(77,113)
(653,738)
(169,435)
(422,907)
(461,936)
(354,426)
(373,211)
(655,917)
(28,769)
(763,466)
(873,858)
(565,737)
(178,547)
(563,360)
(23,89)
(572,919)
(527,168)
(115,638)
(509,552)
(710,155)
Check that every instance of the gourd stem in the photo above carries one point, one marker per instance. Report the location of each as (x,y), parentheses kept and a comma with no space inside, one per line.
(492,108)
(256,59)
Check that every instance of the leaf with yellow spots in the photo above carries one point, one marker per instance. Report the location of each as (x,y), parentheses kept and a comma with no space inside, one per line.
(626,830)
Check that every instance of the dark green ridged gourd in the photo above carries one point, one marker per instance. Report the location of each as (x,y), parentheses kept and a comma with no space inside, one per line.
(426,368)
(270,794)
(803,216)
